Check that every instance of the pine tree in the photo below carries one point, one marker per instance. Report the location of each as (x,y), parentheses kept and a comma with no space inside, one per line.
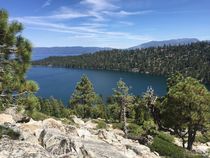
(124,99)
(84,97)
(15,54)
(186,109)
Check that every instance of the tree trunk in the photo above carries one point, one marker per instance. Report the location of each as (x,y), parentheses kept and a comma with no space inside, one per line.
(191,138)
(156,116)
(183,142)
(124,119)
(121,114)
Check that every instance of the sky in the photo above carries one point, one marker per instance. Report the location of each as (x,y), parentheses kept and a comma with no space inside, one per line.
(109,23)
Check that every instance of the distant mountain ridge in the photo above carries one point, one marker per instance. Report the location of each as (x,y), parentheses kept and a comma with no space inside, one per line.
(172,42)
(44,52)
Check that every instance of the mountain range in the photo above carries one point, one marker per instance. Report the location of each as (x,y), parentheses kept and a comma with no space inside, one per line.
(44,52)
(172,42)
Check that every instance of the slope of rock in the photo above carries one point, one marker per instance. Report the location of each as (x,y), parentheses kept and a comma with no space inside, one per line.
(51,138)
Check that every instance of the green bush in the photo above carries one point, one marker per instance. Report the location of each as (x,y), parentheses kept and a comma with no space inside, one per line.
(9,132)
(67,113)
(168,149)
(52,107)
(98,111)
(83,111)
(101,124)
(117,125)
(36,115)
(165,136)
(150,127)
(135,130)
(113,111)
(203,138)
(165,148)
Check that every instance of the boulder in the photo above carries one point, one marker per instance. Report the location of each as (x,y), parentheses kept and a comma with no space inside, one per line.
(141,150)
(83,133)
(57,143)
(89,124)
(71,130)
(201,148)
(78,121)
(101,149)
(18,117)
(30,131)
(19,149)
(6,118)
(52,123)
(109,136)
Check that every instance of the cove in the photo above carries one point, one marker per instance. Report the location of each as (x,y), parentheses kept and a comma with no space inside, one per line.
(60,82)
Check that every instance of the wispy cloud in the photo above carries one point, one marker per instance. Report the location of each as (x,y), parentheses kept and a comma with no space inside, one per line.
(122,13)
(47,3)
(127,23)
(99,5)
(97,13)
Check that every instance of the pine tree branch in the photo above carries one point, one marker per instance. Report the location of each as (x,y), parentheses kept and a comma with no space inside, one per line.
(14,95)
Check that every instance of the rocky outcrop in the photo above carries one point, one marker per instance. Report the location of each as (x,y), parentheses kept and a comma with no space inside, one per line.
(5,118)
(51,138)
(17,116)
(19,149)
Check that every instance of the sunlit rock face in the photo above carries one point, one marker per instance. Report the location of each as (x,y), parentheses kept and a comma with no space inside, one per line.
(51,138)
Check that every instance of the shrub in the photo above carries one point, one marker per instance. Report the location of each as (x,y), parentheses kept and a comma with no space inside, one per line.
(101,124)
(113,111)
(9,132)
(117,125)
(203,138)
(166,148)
(83,111)
(52,107)
(36,115)
(165,136)
(98,111)
(66,113)
(150,127)
(29,103)
(135,130)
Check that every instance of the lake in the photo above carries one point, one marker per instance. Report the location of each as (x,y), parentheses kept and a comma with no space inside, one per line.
(60,82)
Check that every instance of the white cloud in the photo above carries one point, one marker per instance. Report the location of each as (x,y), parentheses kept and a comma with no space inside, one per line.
(47,3)
(127,23)
(68,13)
(126,13)
(99,5)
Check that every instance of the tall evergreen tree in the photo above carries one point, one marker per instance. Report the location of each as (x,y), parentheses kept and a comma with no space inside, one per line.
(84,97)
(15,55)
(124,99)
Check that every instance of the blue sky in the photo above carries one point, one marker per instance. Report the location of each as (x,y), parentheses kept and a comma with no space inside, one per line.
(109,23)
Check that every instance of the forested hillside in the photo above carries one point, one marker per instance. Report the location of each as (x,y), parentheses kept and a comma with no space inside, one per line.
(191,60)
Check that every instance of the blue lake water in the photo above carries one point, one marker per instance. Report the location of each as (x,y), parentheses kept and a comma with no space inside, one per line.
(60,82)
(39,55)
